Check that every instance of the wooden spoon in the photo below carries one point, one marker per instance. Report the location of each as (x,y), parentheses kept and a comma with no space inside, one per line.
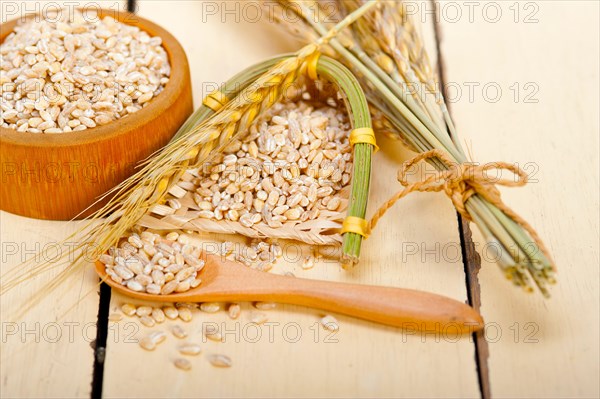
(227,281)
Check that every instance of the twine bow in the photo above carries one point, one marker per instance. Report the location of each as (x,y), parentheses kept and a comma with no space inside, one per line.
(460,182)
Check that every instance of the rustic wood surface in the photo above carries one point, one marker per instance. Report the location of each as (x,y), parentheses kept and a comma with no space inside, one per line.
(54,342)
(537,347)
(417,245)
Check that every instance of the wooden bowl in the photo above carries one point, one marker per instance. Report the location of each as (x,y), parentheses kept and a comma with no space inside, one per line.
(57,176)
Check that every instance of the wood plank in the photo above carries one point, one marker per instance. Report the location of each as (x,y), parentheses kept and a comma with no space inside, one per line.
(367,359)
(538,348)
(53,344)
(50,351)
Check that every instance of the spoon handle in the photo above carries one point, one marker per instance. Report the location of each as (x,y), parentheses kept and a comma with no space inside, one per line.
(398,307)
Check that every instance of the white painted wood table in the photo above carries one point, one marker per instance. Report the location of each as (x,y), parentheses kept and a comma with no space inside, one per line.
(522,81)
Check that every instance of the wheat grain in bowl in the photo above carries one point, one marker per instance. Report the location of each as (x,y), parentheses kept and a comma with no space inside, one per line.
(71,72)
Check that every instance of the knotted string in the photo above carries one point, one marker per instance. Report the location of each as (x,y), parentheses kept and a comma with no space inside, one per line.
(460,182)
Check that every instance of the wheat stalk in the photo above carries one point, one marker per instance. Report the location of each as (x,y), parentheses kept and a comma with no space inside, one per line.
(386,52)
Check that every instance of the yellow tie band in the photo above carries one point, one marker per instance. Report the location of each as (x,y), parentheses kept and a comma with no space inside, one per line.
(311,65)
(364,135)
(353,224)
(215,100)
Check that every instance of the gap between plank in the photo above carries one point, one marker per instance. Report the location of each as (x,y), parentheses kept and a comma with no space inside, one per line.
(103,311)
(131,6)
(471,259)
(100,344)
(472,262)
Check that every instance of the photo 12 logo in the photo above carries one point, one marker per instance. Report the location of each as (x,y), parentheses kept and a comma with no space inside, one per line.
(454,12)
(53,332)
(271,332)
(493,332)
(474,92)
(60,11)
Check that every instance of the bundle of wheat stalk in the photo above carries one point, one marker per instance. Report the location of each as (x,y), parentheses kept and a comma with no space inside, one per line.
(206,135)
(246,189)
(385,50)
